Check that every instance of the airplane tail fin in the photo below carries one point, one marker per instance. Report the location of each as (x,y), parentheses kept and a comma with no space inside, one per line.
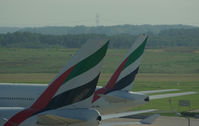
(124,76)
(73,86)
(77,82)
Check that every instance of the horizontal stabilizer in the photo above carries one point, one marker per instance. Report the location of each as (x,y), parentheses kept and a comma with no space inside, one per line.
(112,99)
(157,91)
(147,120)
(116,123)
(150,119)
(171,95)
(117,115)
(50,120)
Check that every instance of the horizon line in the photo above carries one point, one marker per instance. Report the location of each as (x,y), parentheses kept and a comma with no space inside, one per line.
(37,26)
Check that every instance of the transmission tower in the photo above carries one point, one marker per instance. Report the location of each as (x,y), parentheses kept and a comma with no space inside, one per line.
(97,20)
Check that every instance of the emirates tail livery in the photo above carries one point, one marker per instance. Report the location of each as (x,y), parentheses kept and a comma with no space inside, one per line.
(67,99)
(117,92)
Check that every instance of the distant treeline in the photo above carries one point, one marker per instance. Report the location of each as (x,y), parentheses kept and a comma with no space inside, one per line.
(107,30)
(165,38)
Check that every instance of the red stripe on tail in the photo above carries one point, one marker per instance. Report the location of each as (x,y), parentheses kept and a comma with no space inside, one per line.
(41,102)
(115,76)
(111,82)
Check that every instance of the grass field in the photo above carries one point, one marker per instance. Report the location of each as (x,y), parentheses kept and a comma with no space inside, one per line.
(52,60)
(160,69)
(185,82)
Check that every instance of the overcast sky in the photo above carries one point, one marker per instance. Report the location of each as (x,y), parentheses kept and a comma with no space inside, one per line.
(23,13)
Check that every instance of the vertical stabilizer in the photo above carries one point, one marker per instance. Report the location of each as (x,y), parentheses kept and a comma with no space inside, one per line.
(124,76)
(74,86)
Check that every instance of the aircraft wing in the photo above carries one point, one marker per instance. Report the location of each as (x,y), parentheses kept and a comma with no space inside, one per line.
(170,95)
(157,91)
(49,120)
(147,120)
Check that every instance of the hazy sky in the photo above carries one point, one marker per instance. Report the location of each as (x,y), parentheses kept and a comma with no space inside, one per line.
(111,12)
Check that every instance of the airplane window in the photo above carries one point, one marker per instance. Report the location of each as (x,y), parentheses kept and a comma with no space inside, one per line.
(15,98)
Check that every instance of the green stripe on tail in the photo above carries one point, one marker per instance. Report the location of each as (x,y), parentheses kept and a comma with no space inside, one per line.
(136,54)
(88,62)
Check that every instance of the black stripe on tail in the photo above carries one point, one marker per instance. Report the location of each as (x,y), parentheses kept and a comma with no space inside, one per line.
(124,82)
(72,96)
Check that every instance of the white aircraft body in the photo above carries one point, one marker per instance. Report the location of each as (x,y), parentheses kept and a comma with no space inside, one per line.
(65,101)
(116,94)
(25,94)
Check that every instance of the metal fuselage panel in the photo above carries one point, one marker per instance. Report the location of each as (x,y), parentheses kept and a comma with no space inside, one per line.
(17,95)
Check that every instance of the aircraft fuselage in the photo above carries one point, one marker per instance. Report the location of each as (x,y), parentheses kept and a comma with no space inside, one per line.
(23,95)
